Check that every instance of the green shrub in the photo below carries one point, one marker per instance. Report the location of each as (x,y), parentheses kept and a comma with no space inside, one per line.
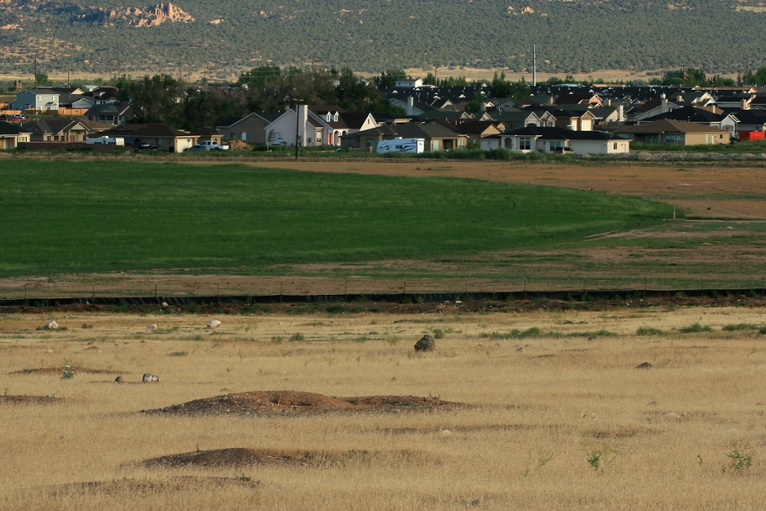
(646,330)
(696,328)
(738,327)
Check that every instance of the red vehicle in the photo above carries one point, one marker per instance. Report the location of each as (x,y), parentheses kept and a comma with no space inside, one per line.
(17,118)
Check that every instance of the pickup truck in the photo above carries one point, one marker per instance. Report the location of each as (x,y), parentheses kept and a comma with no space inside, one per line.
(212,145)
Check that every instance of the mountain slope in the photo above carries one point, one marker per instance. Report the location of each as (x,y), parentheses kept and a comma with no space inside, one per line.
(232,35)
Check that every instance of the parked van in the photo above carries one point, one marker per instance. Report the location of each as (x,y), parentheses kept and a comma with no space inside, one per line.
(402,145)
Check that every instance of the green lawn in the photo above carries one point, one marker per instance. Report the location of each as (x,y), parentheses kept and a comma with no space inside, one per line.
(63,217)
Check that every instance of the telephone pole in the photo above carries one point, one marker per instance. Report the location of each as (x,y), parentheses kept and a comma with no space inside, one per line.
(35,71)
(534,65)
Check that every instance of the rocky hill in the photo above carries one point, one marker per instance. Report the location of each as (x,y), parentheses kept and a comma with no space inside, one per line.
(228,37)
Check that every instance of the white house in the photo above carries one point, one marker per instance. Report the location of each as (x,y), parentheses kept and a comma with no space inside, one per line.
(553,140)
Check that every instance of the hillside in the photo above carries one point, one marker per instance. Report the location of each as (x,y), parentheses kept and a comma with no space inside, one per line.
(128,36)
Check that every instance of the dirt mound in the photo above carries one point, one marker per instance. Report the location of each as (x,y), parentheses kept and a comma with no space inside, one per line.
(58,370)
(238,145)
(27,399)
(144,487)
(237,457)
(292,402)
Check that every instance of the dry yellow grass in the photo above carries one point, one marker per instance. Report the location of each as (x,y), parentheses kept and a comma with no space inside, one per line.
(540,410)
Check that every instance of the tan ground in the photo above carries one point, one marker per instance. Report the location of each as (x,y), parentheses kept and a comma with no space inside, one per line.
(544,406)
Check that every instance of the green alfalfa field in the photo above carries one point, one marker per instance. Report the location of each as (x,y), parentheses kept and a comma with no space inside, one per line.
(64,217)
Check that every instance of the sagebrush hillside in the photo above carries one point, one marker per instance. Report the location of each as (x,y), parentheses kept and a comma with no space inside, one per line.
(133,36)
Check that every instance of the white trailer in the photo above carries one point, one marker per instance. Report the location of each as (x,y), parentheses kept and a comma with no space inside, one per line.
(402,145)
(106,140)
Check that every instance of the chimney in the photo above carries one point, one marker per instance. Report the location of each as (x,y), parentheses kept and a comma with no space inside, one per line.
(712,108)
(550,100)
(620,113)
(410,105)
(745,105)
(303,117)
(664,108)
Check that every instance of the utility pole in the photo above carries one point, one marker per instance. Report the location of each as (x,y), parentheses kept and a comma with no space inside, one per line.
(67,76)
(534,65)
(35,71)
(180,69)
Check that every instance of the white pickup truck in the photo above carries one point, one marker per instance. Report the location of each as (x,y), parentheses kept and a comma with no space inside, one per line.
(208,145)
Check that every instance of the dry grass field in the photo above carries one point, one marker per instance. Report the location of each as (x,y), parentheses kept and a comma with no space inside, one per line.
(557,416)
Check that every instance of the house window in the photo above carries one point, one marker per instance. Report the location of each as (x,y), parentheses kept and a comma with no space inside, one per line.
(319,138)
(615,145)
(335,117)
(673,138)
(556,144)
(525,144)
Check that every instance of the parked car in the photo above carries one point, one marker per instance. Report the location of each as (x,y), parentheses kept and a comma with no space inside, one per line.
(196,147)
(563,150)
(17,118)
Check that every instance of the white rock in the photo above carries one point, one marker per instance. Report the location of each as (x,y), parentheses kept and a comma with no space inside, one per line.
(149,377)
(152,327)
(51,325)
(213,323)
(164,304)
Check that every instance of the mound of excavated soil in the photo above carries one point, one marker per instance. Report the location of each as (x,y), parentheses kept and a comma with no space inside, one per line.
(292,402)
(27,399)
(59,369)
(144,487)
(237,457)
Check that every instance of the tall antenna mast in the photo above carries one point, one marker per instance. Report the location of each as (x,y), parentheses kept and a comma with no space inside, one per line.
(534,65)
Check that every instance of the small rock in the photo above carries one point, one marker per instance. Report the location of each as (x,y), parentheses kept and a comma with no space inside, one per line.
(446,432)
(164,304)
(49,351)
(426,343)
(213,323)
(86,325)
(118,379)
(149,377)
(645,365)
(519,348)
(51,325)
(152,327)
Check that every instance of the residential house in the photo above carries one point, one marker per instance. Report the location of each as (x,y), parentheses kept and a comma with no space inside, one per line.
(675,132)
(552,140)
(342,123)
(103,95)
(251,128)
(437,136)
(110,113)
(56,129)
(651,108)
(517,119)
(166,137)
(579,98)
(709,116)
(475,130)
(11,135)
(39,100)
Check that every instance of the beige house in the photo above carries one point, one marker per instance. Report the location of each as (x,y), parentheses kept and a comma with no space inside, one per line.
(165,137)
(57,130)
(675,132)
(11,135)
